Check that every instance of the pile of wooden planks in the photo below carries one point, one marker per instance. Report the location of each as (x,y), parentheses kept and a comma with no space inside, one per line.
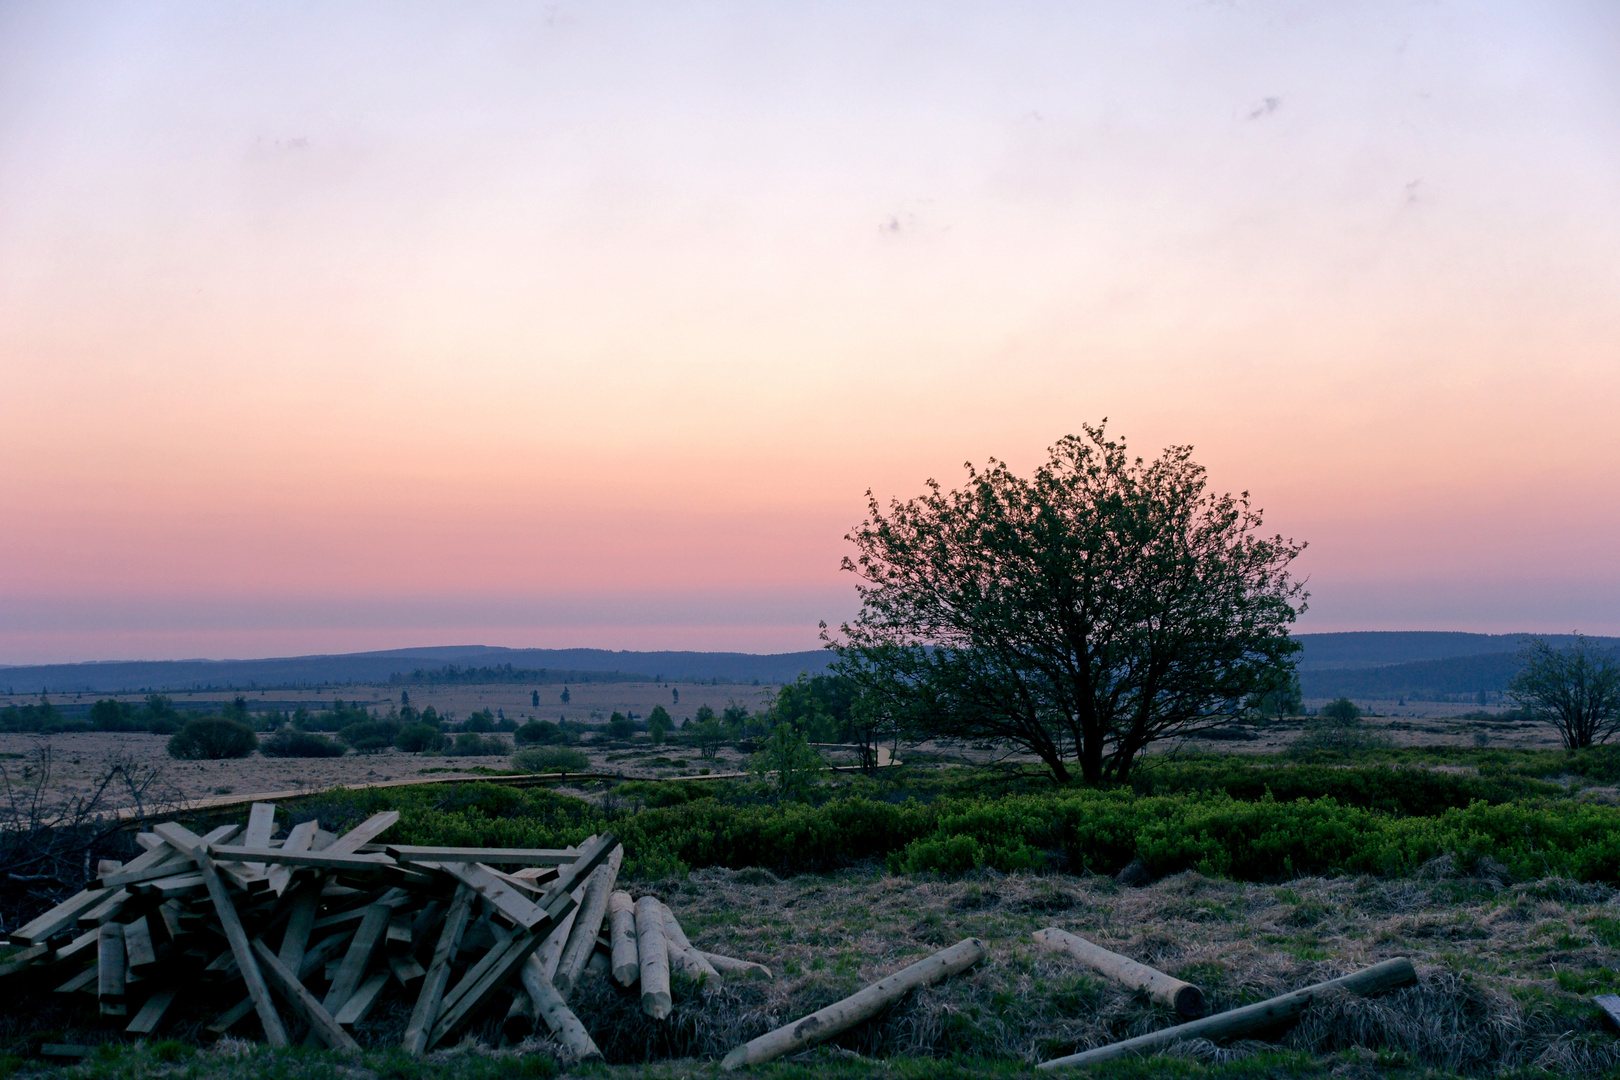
(310,930)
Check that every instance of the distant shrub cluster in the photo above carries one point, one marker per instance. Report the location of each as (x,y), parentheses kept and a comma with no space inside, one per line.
(212,738)
(292,743)
(543,759)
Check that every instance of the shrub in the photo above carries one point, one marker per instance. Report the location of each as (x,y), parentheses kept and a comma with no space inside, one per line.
(418,738)
(472,744)
(1342,709)
(212,738)
(539,733)
(369,736)
(163,725)
(480,721)
(539,759)
(290,742)
(110,715)
(621,726)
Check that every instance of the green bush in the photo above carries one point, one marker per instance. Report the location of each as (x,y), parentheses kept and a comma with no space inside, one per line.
(621,726)
(212,738)
(472,744)
(369,736)
(110,715)
(540,733)
(292,743)
(418,738)
(540,759)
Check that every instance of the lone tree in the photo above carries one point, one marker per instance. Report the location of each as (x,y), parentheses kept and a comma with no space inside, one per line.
(1576,689)
(1080,614)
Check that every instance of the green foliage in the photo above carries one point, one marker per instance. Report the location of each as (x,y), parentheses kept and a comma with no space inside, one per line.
(212,738)
(369,736)
(1342,710)
(787,762)
(472,744)
(43,717)
(338,717)
(543,759)
(481,721)
(1575,689)
(621,726)
(292,743)
(659,723)
(1079,614)
(418,738)
(111,715)
(1408,791)
(540,733)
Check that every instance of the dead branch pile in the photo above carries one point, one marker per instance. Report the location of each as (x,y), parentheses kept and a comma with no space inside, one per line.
(311,930)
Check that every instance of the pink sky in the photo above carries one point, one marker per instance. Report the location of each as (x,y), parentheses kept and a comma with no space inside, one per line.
(328,328)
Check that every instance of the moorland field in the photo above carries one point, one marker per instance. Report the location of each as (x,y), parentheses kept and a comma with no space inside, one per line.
(1251,864)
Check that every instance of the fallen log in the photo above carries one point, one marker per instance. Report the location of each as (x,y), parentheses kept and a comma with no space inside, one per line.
(1184,997)
(622,934)
(682,955)
(1235,1022)
(652,951)
(730,965)
(548,1004)
(862,1005)
(588,923)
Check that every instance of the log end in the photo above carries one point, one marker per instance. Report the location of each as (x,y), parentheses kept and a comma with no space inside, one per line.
(736,1059)
(1189,1002)
(657,1006)
(627,974)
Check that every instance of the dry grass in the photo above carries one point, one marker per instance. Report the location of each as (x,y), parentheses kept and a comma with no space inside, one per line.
(1487,954)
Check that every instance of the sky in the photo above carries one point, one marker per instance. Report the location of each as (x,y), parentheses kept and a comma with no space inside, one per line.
(328,327)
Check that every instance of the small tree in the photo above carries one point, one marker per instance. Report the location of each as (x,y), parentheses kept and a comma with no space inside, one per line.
(212,738)
(1575,689)
(659,723)
(1080,614)
(787,760)
(621,726)
(1280,699)
(708,730)
(565,695)
(534,698)
(1342,710)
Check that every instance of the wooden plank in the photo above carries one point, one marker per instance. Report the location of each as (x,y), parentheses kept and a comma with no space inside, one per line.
(110,965)
(261,825)
(398,938)
(497,967)
(294,993)
(1610,1004)
(274,1031)
(167,862)
(81,981)
(179,885)
(426,1012)
(230,1017)
(360,1002)
(26,958)
(110,907)
(139,954)
(409,853)
(57,919)
(189,843)
(151,1014)
(358,958)
(298,839)
(305,905)
(323,860)
(363,833)
(496,893)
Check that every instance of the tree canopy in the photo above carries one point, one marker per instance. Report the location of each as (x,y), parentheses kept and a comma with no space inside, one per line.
(1575,689)
(1079,614)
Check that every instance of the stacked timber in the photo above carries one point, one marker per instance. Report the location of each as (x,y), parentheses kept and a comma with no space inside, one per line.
(310,931)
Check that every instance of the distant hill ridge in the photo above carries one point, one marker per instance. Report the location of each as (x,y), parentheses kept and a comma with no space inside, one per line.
(1363,664)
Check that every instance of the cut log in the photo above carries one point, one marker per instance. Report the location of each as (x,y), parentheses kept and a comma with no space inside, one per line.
(110,965)
(652,952)
(1183,997)
(622,931)
(554,1012)
(492,972)
(843,1015)
(1251,1018)
(587,924)
(426,1012)
(551,950)
(321,1023)
(731,966)
(682,955)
